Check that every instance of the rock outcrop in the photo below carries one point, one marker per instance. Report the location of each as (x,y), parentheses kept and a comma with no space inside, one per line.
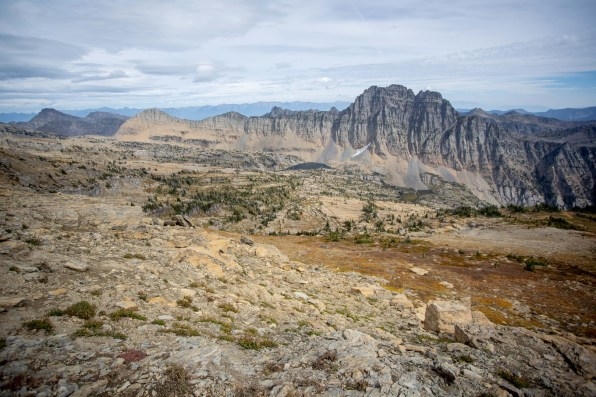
(415,140)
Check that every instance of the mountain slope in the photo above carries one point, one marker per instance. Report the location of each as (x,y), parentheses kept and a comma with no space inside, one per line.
(412,139)
(58,123)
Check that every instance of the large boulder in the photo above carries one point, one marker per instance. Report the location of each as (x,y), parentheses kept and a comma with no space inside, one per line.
(442,316)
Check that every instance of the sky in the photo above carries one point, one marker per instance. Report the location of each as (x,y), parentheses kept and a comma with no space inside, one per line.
(499,54)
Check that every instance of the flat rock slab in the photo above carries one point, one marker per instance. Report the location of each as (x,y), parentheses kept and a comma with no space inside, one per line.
(10,301)
(79,267)
(27,269)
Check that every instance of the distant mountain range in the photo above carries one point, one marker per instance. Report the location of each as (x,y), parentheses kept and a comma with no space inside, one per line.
(567,114)
(193,112)
(58,123)
(413,140)
(260,108)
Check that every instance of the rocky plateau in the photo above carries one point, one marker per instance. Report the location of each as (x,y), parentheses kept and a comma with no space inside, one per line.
(99,296)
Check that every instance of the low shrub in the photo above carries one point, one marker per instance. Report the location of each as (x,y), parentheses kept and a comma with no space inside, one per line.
(82,309)
(39,324)
(120,313)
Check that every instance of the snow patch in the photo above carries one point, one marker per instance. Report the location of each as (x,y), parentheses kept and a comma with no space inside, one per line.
(361,150)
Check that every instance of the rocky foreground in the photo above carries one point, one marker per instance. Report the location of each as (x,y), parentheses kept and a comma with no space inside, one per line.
(97,299)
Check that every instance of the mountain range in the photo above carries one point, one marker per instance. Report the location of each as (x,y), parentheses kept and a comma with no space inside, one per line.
(260,108)
(414,140)
(192,112)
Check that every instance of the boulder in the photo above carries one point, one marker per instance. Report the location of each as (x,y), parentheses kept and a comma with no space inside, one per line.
(402,301)
(442,316)
(366,291)
(419,271)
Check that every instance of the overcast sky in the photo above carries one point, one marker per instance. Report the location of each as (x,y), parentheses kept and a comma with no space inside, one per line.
(72,54)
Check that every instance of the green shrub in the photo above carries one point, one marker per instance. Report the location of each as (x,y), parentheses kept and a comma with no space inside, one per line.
(56,313)
(34,241)
(134,256)
(35,325)
(158,322)
(463,211)
(464,358)
(364,238)
(120,313)
(252,342)
(531,263)
(490,211)
(82,309)
(561,223)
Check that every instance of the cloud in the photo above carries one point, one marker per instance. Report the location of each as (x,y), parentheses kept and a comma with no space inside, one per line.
(25,57)
(115,74)
(316,50)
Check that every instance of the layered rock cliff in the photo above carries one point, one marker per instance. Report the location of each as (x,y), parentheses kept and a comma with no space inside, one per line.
(411,139)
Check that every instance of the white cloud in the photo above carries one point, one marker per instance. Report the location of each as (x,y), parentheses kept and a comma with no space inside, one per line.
(316,50)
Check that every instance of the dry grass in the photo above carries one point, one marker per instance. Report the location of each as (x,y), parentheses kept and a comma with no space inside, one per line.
(562,291)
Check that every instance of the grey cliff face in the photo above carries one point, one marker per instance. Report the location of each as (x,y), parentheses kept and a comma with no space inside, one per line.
(514,158)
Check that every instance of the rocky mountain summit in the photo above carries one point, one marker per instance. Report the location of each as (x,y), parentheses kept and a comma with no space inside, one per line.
(411,139)
(61,124)
(98,299)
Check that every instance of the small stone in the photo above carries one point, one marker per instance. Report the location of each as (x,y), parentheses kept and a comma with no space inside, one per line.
(364,291)
(165,317)
(182,292)
(27,269)
(402,301)
(247,240)
(160,300)
(301,295)
(472,375)
(79,267)
(419,271)
(446,284)
(127,304)
(180,221)
(182,242)
(123,387)
(58,292)
(447,371)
